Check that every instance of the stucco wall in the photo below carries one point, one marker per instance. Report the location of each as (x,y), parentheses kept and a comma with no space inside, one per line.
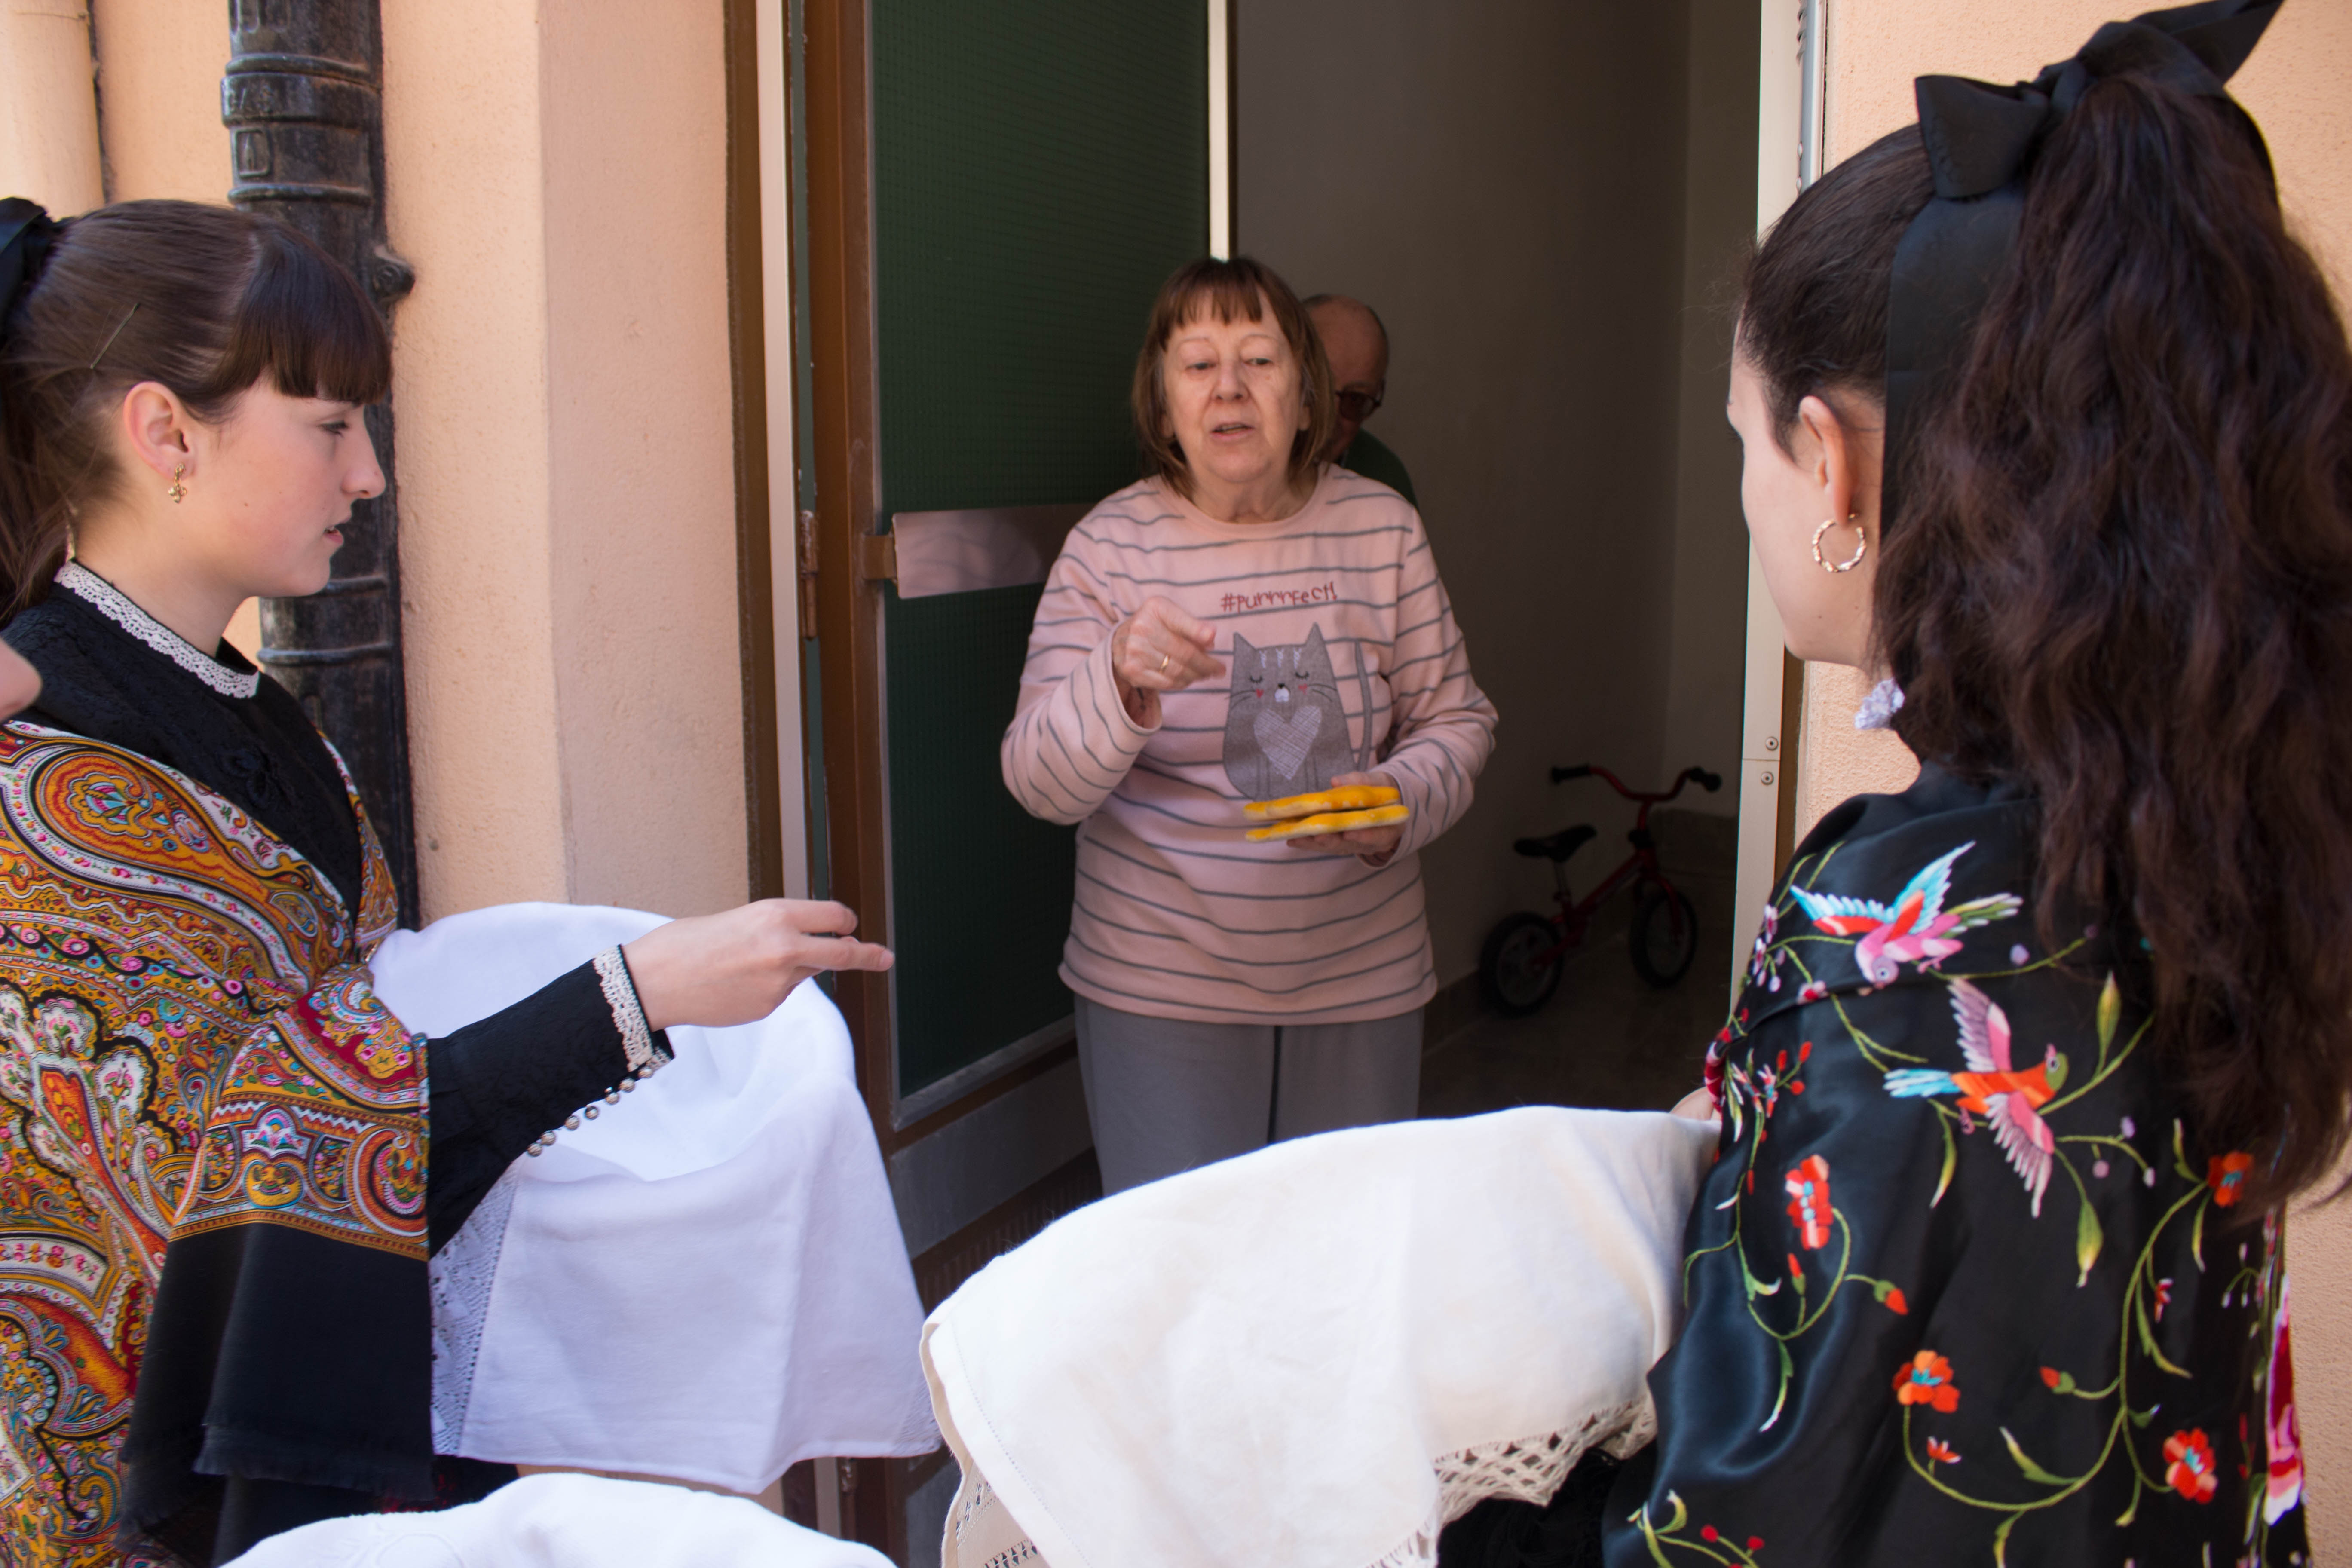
(466,208)
(160,64)
(48,107)
(557,176)
(648,672)
(2295,85)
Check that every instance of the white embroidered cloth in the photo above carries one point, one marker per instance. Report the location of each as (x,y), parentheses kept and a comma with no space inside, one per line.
(567,1522)
(706,1281)
(1316,1354)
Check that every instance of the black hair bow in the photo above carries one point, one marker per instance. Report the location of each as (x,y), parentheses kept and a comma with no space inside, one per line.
(1981,141)
(26,232)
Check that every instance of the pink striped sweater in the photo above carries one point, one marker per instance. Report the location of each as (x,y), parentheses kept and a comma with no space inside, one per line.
(1327,615)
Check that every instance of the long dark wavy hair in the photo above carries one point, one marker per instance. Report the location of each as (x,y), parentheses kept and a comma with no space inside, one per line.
(203,300)
(2121,574)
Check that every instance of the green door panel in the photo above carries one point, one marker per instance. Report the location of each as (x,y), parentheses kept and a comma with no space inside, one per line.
(1039,167)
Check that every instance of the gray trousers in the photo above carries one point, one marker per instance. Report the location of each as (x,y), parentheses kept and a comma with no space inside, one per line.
(1165,1095)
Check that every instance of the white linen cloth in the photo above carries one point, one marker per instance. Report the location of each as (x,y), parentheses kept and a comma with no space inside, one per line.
(567,1522)
(1319,1353)
(707,1280)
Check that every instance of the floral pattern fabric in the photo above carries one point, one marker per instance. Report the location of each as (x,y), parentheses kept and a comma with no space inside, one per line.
(188,1043)
(1964,1286)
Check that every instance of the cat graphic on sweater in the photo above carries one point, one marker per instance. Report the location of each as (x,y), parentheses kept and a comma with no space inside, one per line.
(1285,729)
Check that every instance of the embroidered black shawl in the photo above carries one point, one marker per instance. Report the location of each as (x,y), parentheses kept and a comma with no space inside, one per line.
(1964,1287)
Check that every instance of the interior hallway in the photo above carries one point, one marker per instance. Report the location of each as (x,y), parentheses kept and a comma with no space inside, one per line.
(1606,1039)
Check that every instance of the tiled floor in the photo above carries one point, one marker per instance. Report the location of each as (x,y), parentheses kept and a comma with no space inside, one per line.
(1606,1039)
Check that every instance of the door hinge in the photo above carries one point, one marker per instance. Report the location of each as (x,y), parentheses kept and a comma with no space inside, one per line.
(806,549)
(878,557)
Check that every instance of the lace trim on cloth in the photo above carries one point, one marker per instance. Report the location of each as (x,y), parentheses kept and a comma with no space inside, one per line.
(460,1277)
(1526,1468)
(1529,1470)
(628,1013)
(109,601)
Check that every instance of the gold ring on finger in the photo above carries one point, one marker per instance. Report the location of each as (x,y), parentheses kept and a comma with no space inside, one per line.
(1163,664)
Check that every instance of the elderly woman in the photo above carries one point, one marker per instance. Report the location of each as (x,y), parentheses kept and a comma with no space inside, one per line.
(1245,623)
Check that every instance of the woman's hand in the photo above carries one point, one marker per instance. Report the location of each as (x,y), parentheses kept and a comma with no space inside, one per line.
(1160,648)
(738,967)
(1372,843)
(20,683)
(1698,1106)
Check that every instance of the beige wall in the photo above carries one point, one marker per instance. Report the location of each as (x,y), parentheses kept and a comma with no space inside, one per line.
(160,95)
(2295,85)
(556,175)
(48,107)
(466,208)
(649,680)
(1525,245)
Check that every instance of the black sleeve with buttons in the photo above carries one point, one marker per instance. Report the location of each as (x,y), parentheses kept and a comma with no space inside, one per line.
(500,1089)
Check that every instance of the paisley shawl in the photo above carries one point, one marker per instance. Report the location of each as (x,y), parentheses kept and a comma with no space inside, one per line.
(188,1046)
(1964,1287)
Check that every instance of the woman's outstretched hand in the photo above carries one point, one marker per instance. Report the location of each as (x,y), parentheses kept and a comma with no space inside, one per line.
(1160,648)
(720,970)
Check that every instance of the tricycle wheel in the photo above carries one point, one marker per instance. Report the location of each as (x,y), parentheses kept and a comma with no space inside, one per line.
(1513,969)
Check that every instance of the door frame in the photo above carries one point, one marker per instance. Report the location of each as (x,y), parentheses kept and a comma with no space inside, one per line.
(761,299)
(1792,58)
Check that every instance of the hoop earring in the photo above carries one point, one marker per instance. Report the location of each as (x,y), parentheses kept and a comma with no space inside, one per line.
(1860,549)
(179,492)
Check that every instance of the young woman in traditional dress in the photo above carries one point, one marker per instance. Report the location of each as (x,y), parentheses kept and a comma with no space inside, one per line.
(223,1162)
(2048,420)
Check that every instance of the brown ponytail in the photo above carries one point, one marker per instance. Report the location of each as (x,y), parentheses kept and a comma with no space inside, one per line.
(206,301)
(2122,572)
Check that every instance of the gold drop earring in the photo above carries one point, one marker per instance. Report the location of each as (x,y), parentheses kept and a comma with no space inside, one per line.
(1861,548)
(179,492)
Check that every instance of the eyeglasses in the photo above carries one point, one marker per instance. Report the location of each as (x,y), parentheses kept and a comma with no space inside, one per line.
(1358,406)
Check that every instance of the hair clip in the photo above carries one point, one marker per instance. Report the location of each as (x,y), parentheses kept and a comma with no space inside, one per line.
(117,332)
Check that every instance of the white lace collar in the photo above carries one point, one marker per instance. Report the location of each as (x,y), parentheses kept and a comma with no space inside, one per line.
(109,601)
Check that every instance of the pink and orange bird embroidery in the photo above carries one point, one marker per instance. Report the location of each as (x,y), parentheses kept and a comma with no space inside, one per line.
(1916,930)
(2009,1100)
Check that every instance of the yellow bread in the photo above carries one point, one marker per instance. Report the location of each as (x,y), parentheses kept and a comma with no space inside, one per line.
(1343,798)
(1332,822)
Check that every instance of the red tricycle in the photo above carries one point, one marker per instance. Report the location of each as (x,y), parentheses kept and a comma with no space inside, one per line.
(1519,968)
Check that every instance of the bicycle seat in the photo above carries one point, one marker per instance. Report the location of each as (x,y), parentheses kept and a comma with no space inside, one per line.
(1560,846)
